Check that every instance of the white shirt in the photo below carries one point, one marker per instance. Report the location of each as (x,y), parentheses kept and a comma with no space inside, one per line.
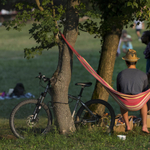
(140,24)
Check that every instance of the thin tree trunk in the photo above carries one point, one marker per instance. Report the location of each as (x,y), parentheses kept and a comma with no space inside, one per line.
(62,76)
(106,66)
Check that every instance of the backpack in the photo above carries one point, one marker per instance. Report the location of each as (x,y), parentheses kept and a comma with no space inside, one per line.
(18,90)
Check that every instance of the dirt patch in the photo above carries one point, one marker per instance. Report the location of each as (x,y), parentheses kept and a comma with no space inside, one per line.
(8,137)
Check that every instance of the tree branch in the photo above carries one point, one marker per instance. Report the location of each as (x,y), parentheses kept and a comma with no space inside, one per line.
(38,4)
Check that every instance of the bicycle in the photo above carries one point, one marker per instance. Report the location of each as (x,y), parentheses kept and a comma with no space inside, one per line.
(33,116)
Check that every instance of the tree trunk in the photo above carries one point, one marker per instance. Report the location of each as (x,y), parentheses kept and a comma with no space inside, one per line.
(62,76)
(106,65)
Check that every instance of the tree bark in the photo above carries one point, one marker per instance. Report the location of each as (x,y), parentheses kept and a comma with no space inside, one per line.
(106,65)
(62,76)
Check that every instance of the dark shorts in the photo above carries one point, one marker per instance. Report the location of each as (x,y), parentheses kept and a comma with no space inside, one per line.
(148,65)
(138,30)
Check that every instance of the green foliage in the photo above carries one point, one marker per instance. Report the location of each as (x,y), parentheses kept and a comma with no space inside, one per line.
(111,14)
(44,27)
(114,14)
(3,2)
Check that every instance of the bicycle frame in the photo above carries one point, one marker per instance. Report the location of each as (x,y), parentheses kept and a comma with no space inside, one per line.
(40,100)
(81,115)
(78,99)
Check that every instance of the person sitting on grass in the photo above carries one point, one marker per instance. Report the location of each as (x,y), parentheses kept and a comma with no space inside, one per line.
(126,39)
(132,81)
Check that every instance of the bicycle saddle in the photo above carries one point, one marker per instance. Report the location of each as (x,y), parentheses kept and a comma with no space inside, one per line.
(85,84)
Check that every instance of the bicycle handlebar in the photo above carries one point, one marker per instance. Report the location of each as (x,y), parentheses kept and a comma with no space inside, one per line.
(42,77)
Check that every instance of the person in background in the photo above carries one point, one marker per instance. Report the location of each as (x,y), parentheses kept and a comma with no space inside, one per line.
(138,26)
(118,49)
(132,81)
(126,39)
(146,40)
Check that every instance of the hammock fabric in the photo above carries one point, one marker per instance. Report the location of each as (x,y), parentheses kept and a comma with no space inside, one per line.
(127,102)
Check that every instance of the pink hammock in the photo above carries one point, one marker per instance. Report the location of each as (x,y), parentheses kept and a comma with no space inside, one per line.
(127,102)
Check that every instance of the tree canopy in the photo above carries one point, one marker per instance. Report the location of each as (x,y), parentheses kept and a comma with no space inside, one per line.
(113,14)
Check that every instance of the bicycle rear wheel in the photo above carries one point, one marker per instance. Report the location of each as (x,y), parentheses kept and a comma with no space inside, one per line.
(105,120)
(21,119)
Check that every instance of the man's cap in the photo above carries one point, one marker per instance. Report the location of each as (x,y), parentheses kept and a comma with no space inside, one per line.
(131,56)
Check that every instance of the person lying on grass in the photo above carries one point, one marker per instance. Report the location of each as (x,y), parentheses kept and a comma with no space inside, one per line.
(132,81)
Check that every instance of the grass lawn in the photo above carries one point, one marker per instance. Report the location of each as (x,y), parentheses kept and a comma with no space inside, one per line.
(16,69)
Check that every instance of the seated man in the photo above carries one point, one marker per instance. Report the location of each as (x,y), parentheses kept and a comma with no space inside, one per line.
(132,81)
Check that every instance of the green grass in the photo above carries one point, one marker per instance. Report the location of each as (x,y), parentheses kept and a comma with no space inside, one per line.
(80,140)
(15,69)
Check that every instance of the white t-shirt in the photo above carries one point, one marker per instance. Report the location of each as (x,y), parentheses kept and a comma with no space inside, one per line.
(140,24)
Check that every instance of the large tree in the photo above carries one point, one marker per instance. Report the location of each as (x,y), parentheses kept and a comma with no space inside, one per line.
(114,16)
(45,29)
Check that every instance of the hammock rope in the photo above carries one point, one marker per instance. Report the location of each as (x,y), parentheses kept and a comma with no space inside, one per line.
(127,102)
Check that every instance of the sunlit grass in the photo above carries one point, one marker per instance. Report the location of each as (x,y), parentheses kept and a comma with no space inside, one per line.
(15,69)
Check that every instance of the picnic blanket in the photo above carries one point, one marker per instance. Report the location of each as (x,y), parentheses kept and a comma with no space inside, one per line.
(5,96)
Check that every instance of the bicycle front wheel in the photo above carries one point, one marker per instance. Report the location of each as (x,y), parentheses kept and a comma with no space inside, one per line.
(22,122)
(93,118)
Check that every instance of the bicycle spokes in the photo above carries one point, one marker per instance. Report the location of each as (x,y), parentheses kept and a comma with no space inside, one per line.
(31,122)
(105,119)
